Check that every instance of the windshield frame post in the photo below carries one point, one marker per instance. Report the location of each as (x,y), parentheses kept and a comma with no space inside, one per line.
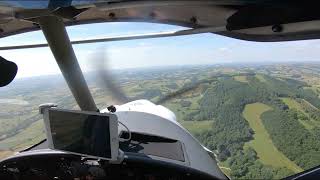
(58,40)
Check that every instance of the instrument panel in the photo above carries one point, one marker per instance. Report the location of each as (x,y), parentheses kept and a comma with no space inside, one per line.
(67,166)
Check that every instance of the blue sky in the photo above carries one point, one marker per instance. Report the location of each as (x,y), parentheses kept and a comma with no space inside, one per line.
(183,50)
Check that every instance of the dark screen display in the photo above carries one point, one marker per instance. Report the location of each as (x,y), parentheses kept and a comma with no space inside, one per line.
(153,145)
(80,133)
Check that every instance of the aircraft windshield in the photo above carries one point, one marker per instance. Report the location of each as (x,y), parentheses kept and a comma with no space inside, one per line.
(255,105)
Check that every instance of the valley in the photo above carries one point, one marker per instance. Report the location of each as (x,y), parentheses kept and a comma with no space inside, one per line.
(261,120)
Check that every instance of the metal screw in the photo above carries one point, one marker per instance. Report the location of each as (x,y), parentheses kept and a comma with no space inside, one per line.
(112,108)
(194,20)
(152,15)
(277,28)
(112,15)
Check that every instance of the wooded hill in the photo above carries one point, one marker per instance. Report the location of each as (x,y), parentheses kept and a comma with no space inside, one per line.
(224,104)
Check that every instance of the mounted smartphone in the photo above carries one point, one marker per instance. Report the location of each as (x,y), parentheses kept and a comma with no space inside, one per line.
(83,133)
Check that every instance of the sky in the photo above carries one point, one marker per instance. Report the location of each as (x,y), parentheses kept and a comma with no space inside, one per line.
(183,50)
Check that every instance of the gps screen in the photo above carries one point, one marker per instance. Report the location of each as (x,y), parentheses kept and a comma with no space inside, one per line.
(80,133)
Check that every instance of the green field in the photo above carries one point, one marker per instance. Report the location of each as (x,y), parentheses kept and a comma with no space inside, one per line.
(262,143)
(314,88)
(197,126)
(183,112)
(28,137)
(241,79)
(260,78)
(293,104)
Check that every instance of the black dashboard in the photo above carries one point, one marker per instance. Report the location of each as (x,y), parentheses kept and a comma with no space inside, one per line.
(45,166)
(40,163)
